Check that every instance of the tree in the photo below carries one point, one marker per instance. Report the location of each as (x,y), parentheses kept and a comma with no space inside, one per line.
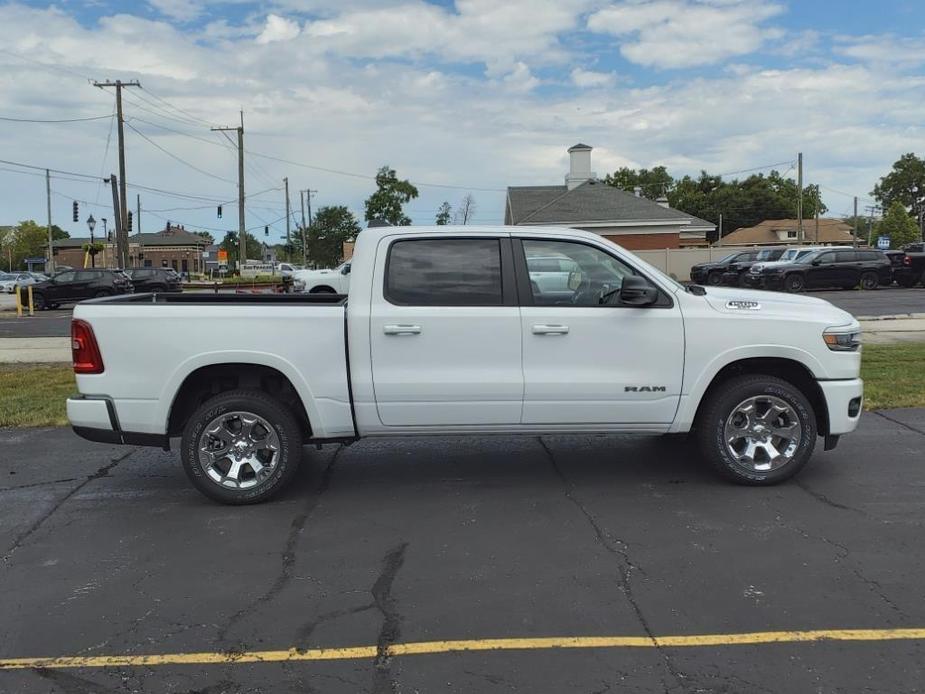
(391,193)
(904,184)
(331,227)
(465,211)
(29,240)
(206,235)
(652,183)
(230,244)
(899,226)
(444,214)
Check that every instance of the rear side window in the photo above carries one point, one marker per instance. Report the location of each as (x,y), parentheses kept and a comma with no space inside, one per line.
(85,275)
(846,257)
(870,255)
(444,272)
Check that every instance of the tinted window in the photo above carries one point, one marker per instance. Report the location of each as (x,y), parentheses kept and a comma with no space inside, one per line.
(869,255)
(142,274)
(846,257)
(595,274)
(65,276)
(85,275)
(444,272)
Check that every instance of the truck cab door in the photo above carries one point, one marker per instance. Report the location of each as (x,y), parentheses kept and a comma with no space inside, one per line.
(591,363)
(445,332)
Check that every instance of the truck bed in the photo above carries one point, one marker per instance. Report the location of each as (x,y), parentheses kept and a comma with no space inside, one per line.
(201,298)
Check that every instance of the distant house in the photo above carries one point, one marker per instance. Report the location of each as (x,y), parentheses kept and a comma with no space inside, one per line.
(584,202)
(173,247)
(777,232)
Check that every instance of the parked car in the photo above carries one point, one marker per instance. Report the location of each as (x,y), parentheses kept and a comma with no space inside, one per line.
(154,279)
(734,276)
(287,269)
(845,268)
(444,333)
(76,285)
(712,273)
(911,270)
(10,280)
(551,273)
(753,278)
(336,281)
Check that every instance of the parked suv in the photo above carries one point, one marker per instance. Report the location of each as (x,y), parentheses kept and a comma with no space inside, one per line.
(75,285)
(911,269)
(754,277)
(846,268)
(735,274)
(154,279)
(712,273)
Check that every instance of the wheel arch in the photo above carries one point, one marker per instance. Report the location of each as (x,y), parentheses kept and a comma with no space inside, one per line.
(788,369)
(198,383)
(322,288)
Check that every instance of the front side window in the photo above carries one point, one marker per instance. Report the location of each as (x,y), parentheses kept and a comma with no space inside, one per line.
(444,272)
(65,276)
(594,277)
(846,257)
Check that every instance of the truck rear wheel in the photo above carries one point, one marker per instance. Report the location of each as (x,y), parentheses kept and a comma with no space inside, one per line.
(241,447)
(757,430)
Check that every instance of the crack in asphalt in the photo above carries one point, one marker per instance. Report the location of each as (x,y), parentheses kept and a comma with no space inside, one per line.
(288,557)
(819,496)
(620,549)
(32,485)
(383,682)
(896,421)
(23,536)
(70,683)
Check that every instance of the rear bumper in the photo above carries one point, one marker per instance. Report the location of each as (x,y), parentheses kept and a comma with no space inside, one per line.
(844,402)
(94,419)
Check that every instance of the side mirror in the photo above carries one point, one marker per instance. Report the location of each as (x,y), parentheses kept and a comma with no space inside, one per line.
(346,270)
(636,291)
(574,279)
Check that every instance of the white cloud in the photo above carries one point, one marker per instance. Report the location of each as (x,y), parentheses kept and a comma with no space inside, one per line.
(278,29)
(884,48)
(686,33)
(589,79)
(181,10)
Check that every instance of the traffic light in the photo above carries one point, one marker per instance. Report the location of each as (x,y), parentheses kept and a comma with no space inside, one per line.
(266,231)
(76,212)
(129,220)
(219,211)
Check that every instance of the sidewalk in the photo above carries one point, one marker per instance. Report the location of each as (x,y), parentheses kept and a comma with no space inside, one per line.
(35,350)
(890,330)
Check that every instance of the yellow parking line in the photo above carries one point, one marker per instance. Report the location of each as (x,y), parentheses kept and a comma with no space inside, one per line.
(435,647)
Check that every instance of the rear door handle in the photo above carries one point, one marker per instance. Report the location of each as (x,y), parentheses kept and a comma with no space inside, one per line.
(550,329)
(402,329)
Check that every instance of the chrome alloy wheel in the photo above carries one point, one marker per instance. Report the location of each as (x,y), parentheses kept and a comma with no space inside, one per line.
(763,433)
(238,450)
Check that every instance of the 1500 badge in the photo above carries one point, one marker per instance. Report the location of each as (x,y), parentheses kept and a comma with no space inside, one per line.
(644,389)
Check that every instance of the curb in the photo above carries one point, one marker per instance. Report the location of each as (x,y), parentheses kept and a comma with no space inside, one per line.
(894,316)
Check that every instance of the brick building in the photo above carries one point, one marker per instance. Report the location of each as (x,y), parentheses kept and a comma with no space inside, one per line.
(171,247)
(584,202)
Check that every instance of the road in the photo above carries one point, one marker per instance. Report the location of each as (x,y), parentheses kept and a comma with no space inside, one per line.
(107,551)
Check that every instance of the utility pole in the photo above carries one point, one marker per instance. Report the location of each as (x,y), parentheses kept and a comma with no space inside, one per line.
(123,202)
(141,245)
(817,216)
(719,237)
(242,234)
(800,196)
(870,225)
(308,194)
(288,238)
(51,249)
(855,244)
(121,238)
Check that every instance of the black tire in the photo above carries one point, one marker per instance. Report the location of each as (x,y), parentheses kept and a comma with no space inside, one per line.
(324,289)
(715,278)
(869,280)
(723,401)
(281,421)
(38,301)
(794,283)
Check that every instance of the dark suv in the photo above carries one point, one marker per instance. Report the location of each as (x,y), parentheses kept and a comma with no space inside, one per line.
(75,285)
(712,273)
(831,268)
(734,275)
(154,279)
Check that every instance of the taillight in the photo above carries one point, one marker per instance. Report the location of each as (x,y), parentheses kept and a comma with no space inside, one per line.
(84,349)
(907,260)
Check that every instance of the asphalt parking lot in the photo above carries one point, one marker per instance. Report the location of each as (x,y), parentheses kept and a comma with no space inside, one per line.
(108,552)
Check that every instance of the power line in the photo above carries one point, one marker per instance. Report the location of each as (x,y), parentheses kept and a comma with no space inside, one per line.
(58,120)
(177,158)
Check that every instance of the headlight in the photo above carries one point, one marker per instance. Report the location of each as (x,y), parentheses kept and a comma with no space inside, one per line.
(842,341)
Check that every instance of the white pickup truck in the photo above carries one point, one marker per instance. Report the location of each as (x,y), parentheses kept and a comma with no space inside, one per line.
(444,332)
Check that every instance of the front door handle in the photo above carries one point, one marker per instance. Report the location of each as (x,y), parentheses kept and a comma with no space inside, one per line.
(550,330)
(402,329)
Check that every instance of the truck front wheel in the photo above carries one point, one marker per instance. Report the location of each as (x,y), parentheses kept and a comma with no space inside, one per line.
(757,430)
(241,447)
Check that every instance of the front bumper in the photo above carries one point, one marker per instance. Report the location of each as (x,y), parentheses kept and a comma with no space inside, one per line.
(752,280)
(772,281)
(844,401)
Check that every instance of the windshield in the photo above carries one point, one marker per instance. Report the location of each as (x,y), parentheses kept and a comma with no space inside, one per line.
(808,256)
(766,254)
(5,276)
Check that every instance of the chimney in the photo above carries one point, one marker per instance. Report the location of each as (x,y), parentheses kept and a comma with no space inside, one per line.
(637,191)
(579,166)
(662,200)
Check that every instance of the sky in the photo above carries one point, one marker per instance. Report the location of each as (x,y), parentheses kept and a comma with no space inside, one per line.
(459,97)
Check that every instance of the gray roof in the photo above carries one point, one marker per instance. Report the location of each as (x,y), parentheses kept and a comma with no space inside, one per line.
(592,201)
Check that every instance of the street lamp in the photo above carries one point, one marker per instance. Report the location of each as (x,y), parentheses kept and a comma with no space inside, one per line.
(91,223)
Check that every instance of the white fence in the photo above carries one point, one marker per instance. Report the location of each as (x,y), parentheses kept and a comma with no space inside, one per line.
(677,262)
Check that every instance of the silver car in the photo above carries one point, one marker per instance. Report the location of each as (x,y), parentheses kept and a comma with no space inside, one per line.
(10,280)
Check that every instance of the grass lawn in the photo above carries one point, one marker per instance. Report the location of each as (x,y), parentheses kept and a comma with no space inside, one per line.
(33,395)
